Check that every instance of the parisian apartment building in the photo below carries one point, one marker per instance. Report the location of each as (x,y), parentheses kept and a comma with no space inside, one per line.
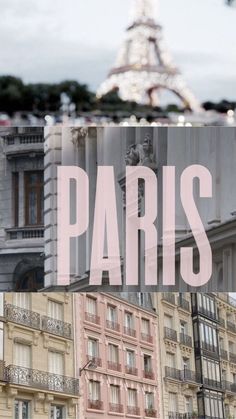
(37,351)
(92,355)
(21,208)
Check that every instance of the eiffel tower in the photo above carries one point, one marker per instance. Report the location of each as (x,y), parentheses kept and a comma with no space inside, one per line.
(143,66)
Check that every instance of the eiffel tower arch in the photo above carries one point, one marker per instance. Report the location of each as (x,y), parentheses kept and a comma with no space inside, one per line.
(144,65)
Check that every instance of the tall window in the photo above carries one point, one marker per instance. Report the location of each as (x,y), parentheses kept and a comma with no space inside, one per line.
(22,355)
(129,320)
(57,412)
(168,321)
(15,198)
(94,390)
(189,405)
(55,363)
(34,198)
(113,353)
(55,310)
(130,358)
(91,306)
(145,327)
(173,405)
(149,401)
(93,348)
(147,360)
(132,397)
(22,300)
(111,314)
(115,394)
(22,409)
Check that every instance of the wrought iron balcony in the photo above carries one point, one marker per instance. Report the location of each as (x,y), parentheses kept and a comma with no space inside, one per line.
(212,383)
(172,373)
(131,370)
(190,376)
(56,327)
(228,386)
(210,348)
(169,297)
(205,312)
(185,339)
(95,360)
(231,326)
(129,331)
(22,316)
(115,366)
(232,357)
(224,354)
(170,334)
(133,410)
(113,325)
(92,318)
(147,337)
(117,408)
(41,380)
(151,413)
(95,404)
(175,415)
(149,374)
(183,303)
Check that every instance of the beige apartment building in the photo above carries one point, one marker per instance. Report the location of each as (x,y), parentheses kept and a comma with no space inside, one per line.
(37,356)
(179,379)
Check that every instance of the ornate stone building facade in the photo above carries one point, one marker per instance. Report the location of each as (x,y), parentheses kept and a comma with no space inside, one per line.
(21,208)
(37,356)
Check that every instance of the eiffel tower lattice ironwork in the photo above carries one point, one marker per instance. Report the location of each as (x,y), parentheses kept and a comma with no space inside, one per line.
(144,66)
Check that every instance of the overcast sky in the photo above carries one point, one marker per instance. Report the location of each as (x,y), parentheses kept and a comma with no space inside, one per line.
(43,40)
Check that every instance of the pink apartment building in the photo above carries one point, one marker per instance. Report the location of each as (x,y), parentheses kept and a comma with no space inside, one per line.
(120,340)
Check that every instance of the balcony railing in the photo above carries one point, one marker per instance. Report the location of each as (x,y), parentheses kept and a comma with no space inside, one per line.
(151,413)
(129,331)
(92,318)
(209,348)
(224,354)
(147,337)
(169,297)
(41,380)
(56,327)
(232,357)
(113,325)
(22,316)
(95,404)
(228,386)
(95,360)
(175,415)
(133,410)
(117,408)
(25,233)
(115,366)
(185,339)
(149,374)
(185,375)
(170,334)
(205,312)
(190,376)
(131,370)
(183,303)
(172,373)
(231,326)
(212,383)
